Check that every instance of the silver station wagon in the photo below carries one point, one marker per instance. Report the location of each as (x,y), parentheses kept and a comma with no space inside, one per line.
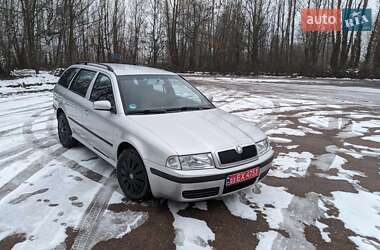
(164,137)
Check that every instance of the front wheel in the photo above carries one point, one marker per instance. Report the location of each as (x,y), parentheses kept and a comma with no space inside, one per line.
(132,175)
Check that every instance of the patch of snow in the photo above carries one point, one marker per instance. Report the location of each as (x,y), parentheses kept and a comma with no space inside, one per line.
(348,134)
(279,139)
(266,199)
(334,106)
(331,161)
(51,207)
(15,167)
(320,113)
(237,207)
(324,122)
(363,221)
(292,164)
(364,243)
(322,228)
(366,151)
(266,240)
(89,160)
(190,233)
(282,211)
(201,205)
(117,198)
(292,147)
(248,103)
(285,131)
(334,150)
(375,138)
(309,130)
(43,77)
(40,82)
(362,116)
(363,126)
(115,225)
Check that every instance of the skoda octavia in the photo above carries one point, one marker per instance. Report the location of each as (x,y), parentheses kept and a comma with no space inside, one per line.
(164,137)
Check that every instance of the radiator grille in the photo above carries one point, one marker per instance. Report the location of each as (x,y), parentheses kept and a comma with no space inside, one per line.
(231,156)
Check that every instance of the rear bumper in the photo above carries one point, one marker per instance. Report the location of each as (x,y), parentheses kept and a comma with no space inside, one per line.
(202,187)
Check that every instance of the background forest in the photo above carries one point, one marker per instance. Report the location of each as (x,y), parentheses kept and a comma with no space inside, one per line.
(239,36)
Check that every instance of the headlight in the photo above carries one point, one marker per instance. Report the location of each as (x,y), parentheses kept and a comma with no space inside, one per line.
(191,162)
(262,146)
(173,162)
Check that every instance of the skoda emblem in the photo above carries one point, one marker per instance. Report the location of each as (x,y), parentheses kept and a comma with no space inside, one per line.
(239,150)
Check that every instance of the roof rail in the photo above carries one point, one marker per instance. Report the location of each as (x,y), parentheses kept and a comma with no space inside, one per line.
(102,65)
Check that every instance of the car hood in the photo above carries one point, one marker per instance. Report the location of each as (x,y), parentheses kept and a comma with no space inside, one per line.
(200,131)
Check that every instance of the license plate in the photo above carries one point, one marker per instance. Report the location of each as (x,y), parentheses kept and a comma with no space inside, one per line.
(242,176)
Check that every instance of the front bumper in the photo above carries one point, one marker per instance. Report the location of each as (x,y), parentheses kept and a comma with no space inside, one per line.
(195,186)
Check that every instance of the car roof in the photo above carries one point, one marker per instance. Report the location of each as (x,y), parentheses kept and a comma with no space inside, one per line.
(128,69)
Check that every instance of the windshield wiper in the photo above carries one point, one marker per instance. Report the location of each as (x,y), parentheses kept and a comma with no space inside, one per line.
(162,111)
(148,111)
(187,108)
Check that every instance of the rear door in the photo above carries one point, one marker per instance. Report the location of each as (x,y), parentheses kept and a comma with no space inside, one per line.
(76,101)
(60,89)
(100,122)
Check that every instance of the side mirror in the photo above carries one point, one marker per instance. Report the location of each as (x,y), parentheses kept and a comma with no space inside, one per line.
(102,105)
(210,98)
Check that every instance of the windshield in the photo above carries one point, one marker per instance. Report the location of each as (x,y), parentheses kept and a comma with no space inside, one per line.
(147,94)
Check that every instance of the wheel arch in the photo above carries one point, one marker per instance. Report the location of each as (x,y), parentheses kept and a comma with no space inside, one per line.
(125,145)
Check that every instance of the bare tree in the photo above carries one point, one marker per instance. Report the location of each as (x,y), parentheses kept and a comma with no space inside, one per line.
(218,35)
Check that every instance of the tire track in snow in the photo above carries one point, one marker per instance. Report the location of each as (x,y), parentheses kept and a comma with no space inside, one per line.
(73,165)
(9,130)
(90,220)
(34,131)
(20,154)
(84,171)
(30,170)
(94,212)
(25,106)
(46,107)
(20,98)
(47,156)
(32,144)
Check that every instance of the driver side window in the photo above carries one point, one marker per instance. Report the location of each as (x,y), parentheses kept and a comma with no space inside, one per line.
(102,90)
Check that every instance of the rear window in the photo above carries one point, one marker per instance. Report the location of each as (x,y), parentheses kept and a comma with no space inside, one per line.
(82,82)
(67,76)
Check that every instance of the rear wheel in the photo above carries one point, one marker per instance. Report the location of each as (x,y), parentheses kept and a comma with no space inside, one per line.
(64,132)
(132,175)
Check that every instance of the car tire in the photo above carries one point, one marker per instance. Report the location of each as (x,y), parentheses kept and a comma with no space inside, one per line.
(132,176)
(64,132)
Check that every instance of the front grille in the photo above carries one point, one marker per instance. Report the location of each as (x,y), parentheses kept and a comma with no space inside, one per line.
(200,193)
(231,156)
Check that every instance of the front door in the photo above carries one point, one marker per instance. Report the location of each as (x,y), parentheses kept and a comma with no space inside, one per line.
(100,122)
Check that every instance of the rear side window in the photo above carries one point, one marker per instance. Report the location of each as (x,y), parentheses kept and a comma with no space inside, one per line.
(102,90)
(82,81)
(67,76)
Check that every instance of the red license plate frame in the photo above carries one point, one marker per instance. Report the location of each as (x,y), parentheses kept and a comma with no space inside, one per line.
(242,176)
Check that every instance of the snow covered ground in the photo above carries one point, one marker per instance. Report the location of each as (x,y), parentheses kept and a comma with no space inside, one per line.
(29,84)
(323,191)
